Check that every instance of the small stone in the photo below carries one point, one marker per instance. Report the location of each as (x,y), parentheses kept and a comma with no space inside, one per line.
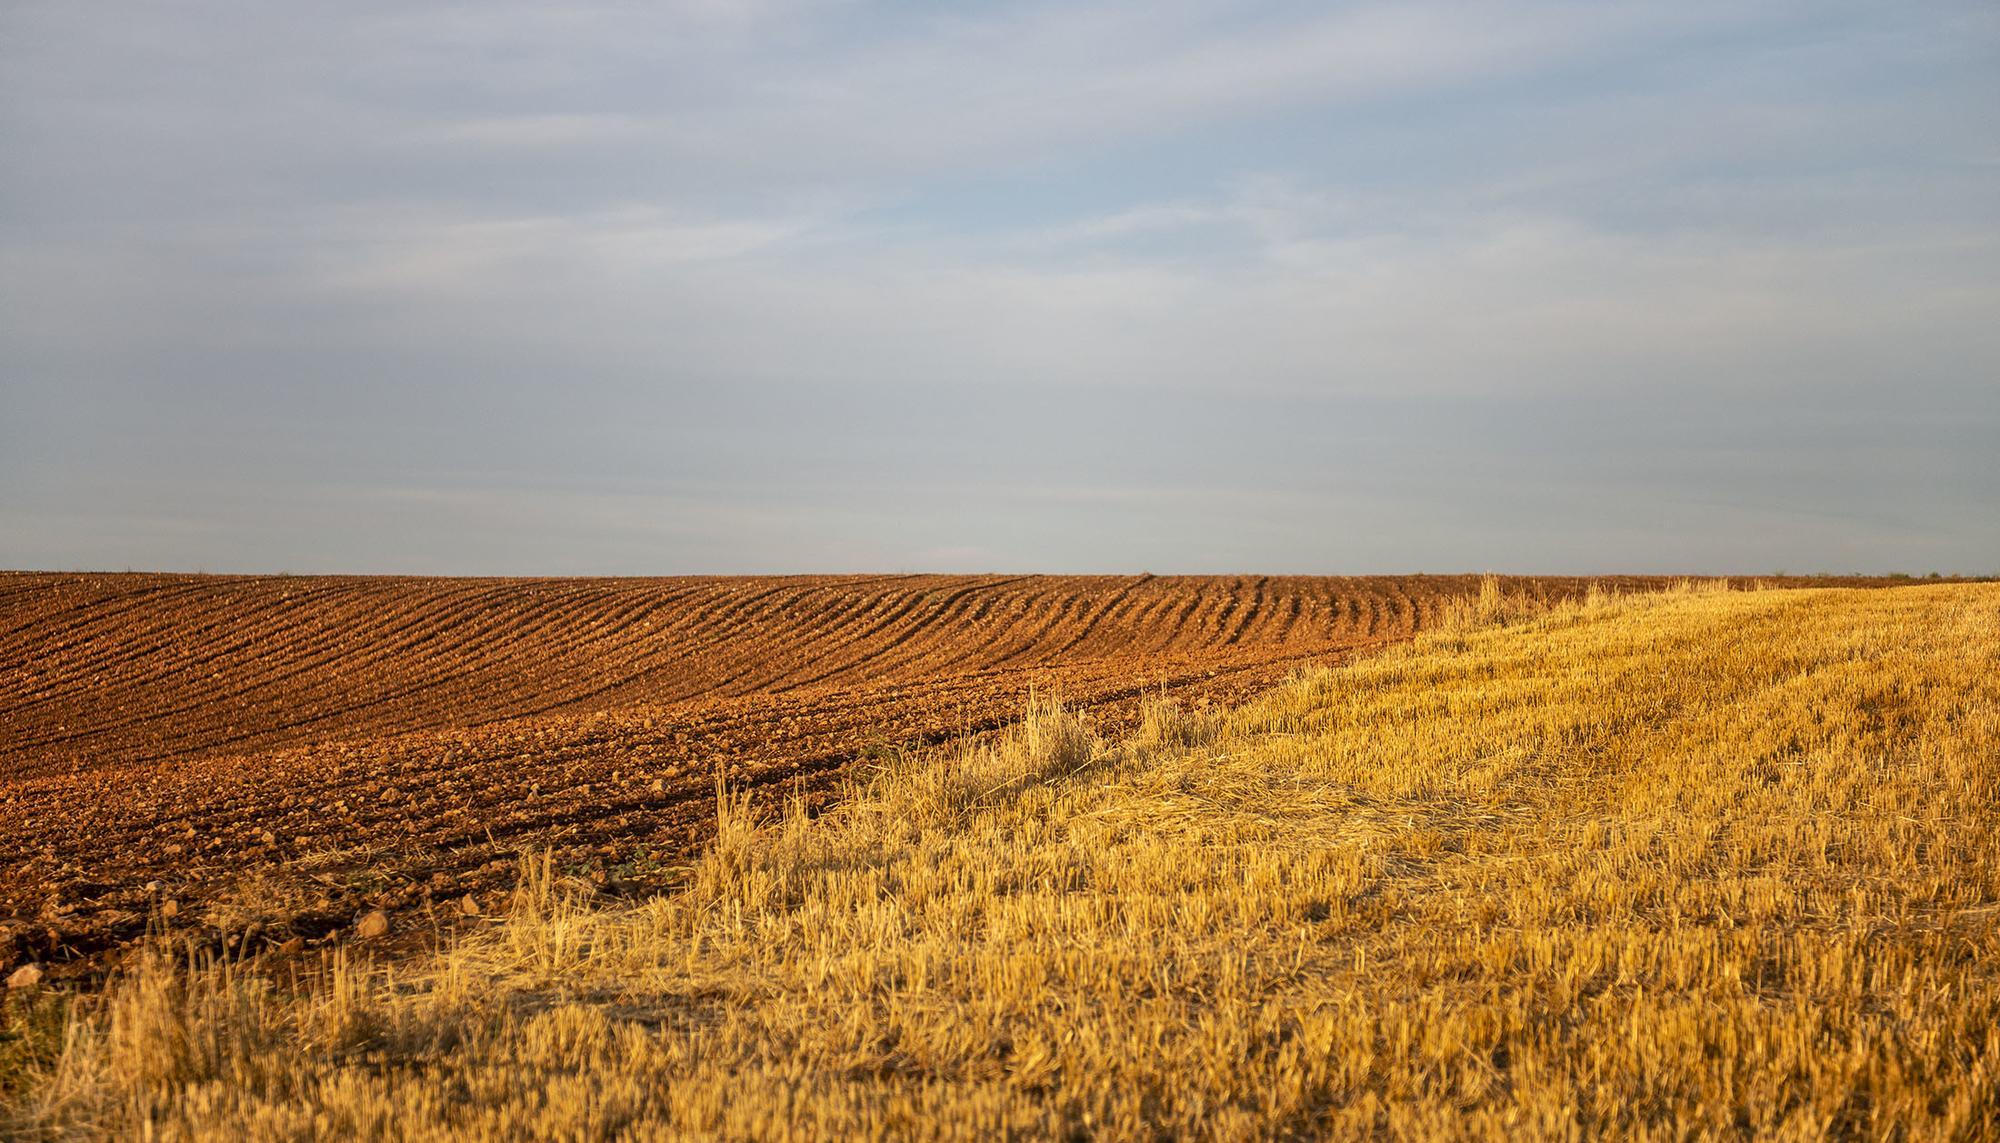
(26,976)
(292,947)
(170,907)
(375,924)
(469,905)
(270,838)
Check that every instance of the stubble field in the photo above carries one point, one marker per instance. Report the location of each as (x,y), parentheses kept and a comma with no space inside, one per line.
(1694,864)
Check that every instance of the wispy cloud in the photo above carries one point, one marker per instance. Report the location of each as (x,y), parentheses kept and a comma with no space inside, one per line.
(826,249)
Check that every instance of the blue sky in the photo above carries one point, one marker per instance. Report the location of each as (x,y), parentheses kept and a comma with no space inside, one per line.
(828,285)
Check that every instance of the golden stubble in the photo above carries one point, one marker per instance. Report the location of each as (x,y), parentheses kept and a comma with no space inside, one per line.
(1699,864)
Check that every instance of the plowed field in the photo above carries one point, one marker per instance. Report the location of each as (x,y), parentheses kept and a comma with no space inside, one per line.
(253,759)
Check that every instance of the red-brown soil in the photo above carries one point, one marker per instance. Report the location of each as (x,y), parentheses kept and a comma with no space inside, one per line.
(277,755)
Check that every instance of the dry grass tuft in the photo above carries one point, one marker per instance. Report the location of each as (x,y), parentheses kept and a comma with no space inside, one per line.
(1703,864)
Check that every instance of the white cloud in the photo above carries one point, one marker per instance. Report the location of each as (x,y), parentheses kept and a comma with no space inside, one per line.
(548,220)
(975,90)
(428,254)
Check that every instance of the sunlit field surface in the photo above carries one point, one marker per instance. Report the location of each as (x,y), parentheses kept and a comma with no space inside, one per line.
(1701,863)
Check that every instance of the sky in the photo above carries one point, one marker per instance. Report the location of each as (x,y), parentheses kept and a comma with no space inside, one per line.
(1108,286)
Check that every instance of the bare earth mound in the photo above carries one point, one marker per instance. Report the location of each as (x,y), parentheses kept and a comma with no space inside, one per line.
(273,756)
